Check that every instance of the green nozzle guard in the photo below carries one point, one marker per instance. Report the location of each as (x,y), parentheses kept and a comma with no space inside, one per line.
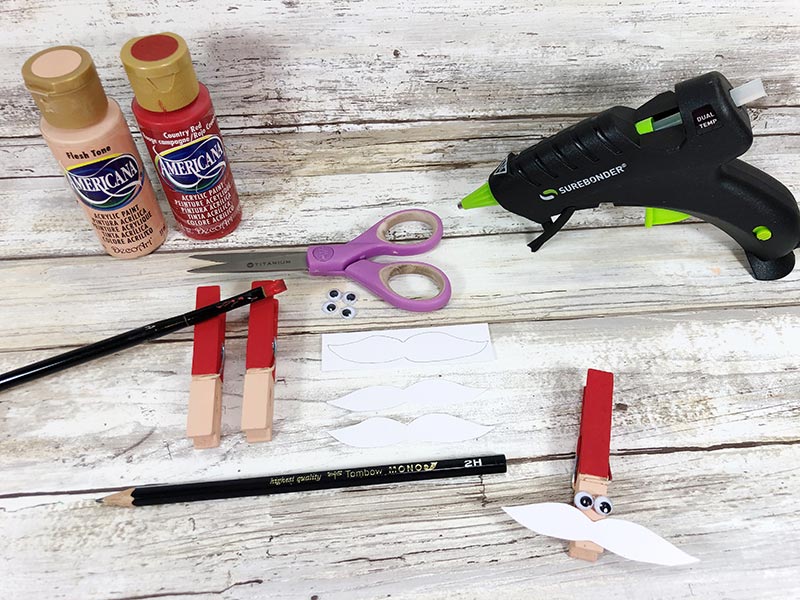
(480,197)
(662,216)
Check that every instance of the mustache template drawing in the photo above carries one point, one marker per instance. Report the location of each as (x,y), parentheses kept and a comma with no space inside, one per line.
(624,538)
(380,431)
(430,392)
(421,348)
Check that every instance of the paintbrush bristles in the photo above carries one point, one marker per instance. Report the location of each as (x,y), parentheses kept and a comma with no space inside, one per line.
(276,287)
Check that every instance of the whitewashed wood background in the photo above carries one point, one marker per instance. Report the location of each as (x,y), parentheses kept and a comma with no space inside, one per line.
(334,114)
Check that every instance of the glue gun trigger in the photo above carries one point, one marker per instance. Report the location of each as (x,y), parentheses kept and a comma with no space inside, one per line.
(551,228)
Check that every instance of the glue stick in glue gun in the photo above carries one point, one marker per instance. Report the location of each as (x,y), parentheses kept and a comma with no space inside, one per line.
(675,155)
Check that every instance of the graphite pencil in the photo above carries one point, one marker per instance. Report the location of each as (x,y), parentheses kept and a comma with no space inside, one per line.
(303,482)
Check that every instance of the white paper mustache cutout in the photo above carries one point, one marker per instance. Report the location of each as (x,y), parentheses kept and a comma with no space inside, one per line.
(380,431)
(419,348)
(624,538)
(395,348)
(431,392)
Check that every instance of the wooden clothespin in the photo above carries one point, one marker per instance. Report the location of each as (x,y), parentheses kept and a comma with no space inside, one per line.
(203,423)
(592,467)
(259,379)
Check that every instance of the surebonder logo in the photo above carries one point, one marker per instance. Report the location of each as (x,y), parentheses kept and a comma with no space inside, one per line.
(551,193)
(107,183)
(194,167)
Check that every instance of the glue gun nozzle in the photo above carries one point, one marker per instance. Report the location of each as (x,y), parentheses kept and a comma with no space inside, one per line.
(481,197)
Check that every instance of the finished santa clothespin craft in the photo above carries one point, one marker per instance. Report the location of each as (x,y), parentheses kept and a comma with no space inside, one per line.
(585,522)
(592,467)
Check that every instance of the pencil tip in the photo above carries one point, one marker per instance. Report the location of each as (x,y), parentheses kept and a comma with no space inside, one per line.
(123,498)
(98,500)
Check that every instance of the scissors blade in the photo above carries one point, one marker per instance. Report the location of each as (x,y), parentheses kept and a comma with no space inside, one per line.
(252,262)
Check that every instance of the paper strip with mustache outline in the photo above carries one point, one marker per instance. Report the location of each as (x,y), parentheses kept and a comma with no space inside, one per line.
(380,431)
(431,392)
(625,538)
(406,347)
(431,346)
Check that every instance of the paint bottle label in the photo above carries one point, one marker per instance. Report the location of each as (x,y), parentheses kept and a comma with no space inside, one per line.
(194,171)
(107,183)
(119,201)
(108,178)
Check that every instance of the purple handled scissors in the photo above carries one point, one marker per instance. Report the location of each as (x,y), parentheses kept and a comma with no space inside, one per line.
(351,260)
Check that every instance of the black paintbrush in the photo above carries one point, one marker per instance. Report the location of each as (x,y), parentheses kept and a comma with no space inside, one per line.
(134,336)
(304,482)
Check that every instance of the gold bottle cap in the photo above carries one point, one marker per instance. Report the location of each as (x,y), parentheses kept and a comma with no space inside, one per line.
(160,70)
(65,86)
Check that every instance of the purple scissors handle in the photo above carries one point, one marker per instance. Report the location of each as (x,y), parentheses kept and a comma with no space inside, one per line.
(350,260)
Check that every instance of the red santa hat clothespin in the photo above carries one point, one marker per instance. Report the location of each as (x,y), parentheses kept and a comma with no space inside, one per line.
(592,467)
(203,423)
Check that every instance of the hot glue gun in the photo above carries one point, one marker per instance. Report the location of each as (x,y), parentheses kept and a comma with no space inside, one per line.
(675,155)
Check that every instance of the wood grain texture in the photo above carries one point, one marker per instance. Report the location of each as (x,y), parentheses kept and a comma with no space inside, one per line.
(346,175)
(496,278)
(335,114)
(446,539)
(304,151)
(312,61)
(122,421)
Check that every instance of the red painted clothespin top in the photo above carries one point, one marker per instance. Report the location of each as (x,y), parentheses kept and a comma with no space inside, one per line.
(259,380)
(203,423)
(592,468)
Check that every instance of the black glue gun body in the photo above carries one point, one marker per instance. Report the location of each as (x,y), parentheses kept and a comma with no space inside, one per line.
(678,152)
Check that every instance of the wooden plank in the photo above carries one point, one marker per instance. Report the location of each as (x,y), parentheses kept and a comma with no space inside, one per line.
(38,216)
(432,145)
(55,303)
(269,63)
(726,378)
(447,539)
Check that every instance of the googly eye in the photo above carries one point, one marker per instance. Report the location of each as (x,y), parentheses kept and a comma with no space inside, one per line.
(348,312)
(334,294)
(603,505)
(350,297)
(583,500)
(329,308)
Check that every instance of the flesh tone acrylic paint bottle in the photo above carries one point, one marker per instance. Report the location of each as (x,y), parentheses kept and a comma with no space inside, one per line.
(90,139)
(178,123)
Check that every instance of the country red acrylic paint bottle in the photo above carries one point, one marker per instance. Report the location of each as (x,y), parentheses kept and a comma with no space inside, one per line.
(180,130)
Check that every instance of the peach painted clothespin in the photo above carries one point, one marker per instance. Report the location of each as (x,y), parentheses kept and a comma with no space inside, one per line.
(204,420)
(259,380)
(592,468)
